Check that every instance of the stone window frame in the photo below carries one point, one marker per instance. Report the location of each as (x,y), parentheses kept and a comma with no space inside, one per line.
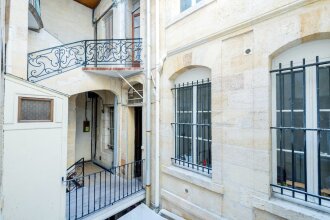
(192,164)
(19,112)
(311,118)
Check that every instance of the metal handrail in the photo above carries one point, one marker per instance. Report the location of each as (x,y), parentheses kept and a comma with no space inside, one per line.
(74,176)
(80,41)
(98,172)
(52,61)
(36,5)
(82,160)
(102,189)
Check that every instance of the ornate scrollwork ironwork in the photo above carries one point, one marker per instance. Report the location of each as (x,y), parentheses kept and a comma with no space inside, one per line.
(114,52)
(56,60)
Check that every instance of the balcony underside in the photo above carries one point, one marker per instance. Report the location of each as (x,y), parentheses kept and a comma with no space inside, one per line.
(116,72)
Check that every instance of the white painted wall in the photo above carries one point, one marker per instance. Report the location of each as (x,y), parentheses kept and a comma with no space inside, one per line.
(16,38)
(34,157)
(2,89)
(41,40)
(83,139)
(67,20)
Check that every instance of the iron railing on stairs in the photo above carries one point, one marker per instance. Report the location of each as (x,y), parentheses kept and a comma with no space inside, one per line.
(36,5)
(75,171)
(103,189)
(56,60)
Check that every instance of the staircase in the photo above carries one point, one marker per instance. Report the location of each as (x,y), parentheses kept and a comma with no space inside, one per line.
(52,61)
(104,193)
(74,172)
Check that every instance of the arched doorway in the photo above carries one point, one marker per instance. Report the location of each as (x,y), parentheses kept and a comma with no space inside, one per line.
(95,136)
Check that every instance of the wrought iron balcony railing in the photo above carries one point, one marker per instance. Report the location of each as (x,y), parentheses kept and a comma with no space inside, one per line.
(36,5)
(56,60)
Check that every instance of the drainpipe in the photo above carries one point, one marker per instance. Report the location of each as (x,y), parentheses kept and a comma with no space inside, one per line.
(157,107)
(148,100)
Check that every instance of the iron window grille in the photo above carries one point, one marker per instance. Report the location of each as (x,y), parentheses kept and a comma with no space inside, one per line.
(193,137)
(301,137)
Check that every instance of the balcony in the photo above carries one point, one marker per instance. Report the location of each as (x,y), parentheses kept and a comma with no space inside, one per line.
(107,57)
(35,22)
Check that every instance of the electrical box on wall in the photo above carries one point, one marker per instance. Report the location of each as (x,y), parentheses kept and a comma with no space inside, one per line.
(86,127)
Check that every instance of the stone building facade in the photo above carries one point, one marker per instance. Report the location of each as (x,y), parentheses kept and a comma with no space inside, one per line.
(243,107)
(237,43)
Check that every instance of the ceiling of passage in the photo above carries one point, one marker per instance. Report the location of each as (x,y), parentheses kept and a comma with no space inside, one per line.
(89,3)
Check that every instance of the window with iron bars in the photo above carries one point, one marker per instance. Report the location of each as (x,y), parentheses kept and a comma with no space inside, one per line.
(301,135)
(193,138)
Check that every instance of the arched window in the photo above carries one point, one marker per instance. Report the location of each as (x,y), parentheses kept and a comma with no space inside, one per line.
(193,137)
(135,95)
(301,122)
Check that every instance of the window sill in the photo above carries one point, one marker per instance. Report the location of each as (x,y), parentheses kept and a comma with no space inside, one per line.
(188,12)
(194,178)
(301,197)
(192,167)
(285,208)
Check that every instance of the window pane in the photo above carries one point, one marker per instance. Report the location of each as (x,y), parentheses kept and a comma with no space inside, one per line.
(324,92)
(290,103)
(136,21)
(324,114)
(289,173)
(184,106)
(325,163)
(185,4)
(299,91)
(108,24)
(112,126)
(134,94)
(287,100)
(204,125)
(35,109)
(285,103)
